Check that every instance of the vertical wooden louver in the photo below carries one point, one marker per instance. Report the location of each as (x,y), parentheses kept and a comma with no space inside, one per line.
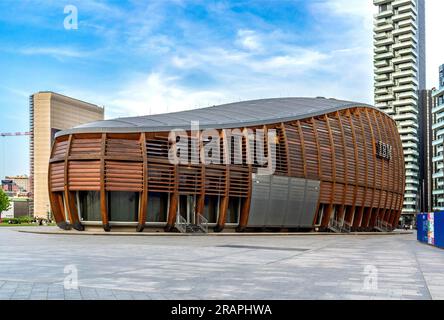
(295,150)
(281,165)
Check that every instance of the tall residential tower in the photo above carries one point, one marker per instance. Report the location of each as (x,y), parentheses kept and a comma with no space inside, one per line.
(438,144)
(399,61)
(49,113)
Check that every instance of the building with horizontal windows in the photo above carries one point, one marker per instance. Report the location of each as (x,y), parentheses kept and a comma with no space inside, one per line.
(286,164)
(21,181)
(399,81)
(438,143)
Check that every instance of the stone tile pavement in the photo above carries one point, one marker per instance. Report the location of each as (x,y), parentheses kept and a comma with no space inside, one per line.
(45,266)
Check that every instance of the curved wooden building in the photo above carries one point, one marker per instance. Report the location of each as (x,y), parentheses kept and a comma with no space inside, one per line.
(324,164)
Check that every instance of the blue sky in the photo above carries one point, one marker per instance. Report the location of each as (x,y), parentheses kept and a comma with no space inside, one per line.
(146,57)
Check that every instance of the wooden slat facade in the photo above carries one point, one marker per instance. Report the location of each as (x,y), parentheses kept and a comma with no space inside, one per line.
(338,149)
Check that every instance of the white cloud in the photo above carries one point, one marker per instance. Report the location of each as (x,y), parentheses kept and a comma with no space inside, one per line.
(158,93)
(300,60)
(249,39)
(362,9)
(338,65)
(56,52)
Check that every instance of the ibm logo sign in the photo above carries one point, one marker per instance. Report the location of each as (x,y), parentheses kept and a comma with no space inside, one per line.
(383,150)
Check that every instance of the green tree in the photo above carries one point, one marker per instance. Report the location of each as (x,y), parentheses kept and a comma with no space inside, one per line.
(5,203)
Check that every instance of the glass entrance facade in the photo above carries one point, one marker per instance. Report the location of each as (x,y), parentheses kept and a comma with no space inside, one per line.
(123,206)
(89,205)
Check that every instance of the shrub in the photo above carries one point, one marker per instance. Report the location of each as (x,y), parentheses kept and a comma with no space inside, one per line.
(11,221)
(25,219)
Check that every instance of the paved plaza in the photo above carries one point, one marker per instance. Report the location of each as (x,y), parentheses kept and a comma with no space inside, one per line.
(46,266)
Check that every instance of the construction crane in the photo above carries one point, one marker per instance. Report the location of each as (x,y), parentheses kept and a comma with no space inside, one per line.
(15,134)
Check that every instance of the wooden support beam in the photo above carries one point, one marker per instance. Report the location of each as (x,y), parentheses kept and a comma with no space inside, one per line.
(328,210)
(70,196)
(174,197)
(304,156)
(393,172)
(327,214)
(200,205)
(223,207)
(56,202)
(390,176)
(373,142)
(287,150)
(103,200)
(381,176)
(318,147)
(333,157)
(57,207)
(366,218)
(245,210)
(57,210)
(358,223)
(386,179)
(354,214)
(343,206)
(60,204)
(144,194)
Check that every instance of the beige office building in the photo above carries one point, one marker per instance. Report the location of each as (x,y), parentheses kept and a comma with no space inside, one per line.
(49,113)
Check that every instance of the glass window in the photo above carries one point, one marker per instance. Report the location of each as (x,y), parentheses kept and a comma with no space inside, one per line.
(157,207)
(123,206)
(211,208)
(187,207)
(233,211)
(89,205)
(383,8)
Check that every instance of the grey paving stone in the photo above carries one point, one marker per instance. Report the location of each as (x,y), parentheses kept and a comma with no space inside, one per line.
(234,267)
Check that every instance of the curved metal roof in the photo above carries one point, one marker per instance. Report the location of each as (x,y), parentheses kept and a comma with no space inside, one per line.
(232,115)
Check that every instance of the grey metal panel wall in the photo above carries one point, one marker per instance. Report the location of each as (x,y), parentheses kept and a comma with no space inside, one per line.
(259,200)
(312,191)
(277,206)
(283,202)
(296,197)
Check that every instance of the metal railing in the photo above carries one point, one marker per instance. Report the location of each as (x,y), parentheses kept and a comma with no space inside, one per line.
(383,226)
(334,225)
(346,227)
(339,226)
(181,224)
(202,222)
